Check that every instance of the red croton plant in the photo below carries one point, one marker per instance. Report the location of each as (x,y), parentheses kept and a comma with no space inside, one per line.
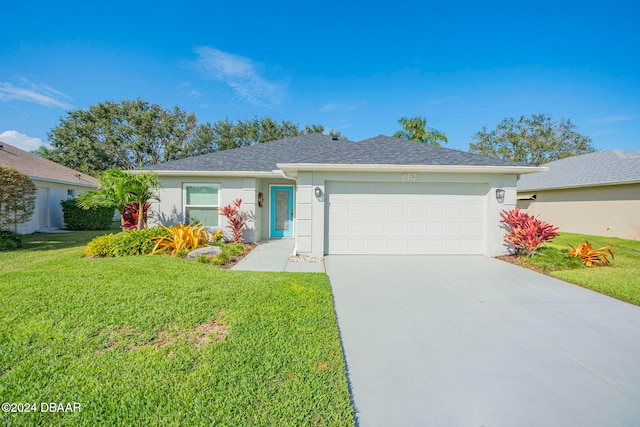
(130,216)
(526,232)
(236,218)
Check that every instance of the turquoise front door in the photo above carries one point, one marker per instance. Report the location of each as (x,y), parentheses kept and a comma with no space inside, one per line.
(281,211)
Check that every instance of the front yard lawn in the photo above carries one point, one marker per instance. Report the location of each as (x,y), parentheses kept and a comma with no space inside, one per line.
(621,280)
(161,341)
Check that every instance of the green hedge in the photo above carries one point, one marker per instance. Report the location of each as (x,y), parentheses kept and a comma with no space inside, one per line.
(9,240)
(76,218)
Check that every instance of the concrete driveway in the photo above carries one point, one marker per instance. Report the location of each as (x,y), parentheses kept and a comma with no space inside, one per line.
(474,341)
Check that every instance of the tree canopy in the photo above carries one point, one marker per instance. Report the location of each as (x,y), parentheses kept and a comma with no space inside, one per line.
(225,134)
(533,140)
(130,134)
(415,129)
(17,198)
(122,135)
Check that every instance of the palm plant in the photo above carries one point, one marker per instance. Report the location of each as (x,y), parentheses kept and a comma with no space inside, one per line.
(415,129)
(141,189)
(118,188)
(111,192)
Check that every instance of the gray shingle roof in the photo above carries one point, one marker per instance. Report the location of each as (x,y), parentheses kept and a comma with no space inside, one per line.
(42,169)
(259,157)
(599,168)
(317,148)
(385,150)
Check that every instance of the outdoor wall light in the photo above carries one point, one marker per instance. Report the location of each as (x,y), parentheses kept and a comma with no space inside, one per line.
(318,192)
(499,195)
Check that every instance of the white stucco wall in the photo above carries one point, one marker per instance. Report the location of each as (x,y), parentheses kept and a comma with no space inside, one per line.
(170,209)
(57,193)
(309,224)
(310,217)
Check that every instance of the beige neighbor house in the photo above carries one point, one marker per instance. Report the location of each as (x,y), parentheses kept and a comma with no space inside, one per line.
(378,196)
(596,193)
(54,183)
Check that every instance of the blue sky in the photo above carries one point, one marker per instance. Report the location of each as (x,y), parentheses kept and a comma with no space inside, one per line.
(356,67)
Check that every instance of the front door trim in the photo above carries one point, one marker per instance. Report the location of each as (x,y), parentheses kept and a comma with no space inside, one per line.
(272,210)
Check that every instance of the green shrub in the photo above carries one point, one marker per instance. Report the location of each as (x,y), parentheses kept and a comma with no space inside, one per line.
(101,246)
(203,259)
(221,258)
(182,253)
(125,243)
(235,249)
(95,218)
(217,236)
(9,240)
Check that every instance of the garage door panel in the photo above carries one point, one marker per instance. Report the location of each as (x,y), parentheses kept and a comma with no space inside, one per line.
(396,246)
(454,209)
(356,227)
(435,208)
(379,209)
(397,208)
(395,228)
(375,245)
(404,218)
(416,209)
(357,208)
(415,227)
(454,228)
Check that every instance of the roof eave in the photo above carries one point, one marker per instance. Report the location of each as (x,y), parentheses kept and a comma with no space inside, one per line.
(290,168)
(256,174)
(57,181)
(568,187)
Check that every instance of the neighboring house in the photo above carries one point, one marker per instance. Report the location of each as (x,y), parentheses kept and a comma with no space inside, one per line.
(596,193)
(54,183)
(378,196)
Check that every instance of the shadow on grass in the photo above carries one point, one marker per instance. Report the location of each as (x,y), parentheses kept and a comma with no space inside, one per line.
(63,239)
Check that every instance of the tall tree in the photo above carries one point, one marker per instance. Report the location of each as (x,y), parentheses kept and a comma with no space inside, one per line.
(225,134)
(534,140)
(123,135)
(415,129)
(17,198)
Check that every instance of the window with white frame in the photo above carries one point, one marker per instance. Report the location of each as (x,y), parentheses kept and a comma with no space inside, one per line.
(201,203)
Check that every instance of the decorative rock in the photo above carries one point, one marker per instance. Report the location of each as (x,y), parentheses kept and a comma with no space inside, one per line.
(206,251)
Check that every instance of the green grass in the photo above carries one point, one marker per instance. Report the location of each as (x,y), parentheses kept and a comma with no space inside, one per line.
(124,337)
(229,250)
(621,280)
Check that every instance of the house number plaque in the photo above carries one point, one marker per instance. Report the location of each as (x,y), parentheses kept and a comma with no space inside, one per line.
(409,177)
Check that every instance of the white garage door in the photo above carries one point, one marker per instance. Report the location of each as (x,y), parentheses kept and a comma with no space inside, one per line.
(404,218)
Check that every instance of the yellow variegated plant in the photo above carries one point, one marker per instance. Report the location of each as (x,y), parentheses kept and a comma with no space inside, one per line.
(592,257)
(182,237)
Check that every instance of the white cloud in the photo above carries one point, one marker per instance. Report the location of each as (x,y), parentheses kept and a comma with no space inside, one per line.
(334,106)
(613,119)
(35,93)
(240,73)
(20,140)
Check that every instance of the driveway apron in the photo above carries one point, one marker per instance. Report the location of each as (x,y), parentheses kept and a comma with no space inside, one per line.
(474,341)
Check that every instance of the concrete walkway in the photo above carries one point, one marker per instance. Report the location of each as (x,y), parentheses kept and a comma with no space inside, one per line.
(274,255)
(474,341)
